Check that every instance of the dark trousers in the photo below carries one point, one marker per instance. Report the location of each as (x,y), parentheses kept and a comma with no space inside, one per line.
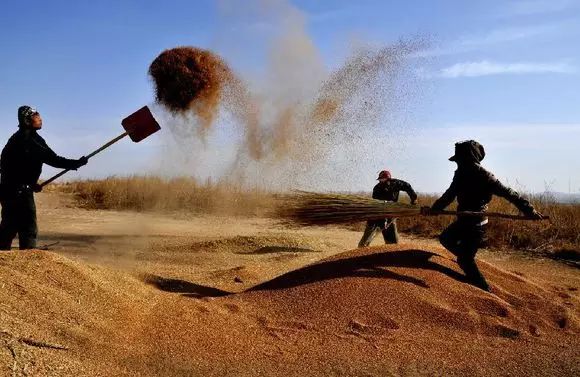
(463,238)
(18,217)
(388,227)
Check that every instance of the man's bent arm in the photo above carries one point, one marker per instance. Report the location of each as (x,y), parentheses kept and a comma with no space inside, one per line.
(447,198)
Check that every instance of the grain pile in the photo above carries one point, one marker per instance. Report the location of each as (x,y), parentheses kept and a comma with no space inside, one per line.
(64,318)
(377,311)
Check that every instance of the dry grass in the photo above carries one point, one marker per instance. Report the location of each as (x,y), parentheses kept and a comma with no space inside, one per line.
(559,237)
(145,193)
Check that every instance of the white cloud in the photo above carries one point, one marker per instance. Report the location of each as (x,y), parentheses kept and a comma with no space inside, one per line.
(498,36)
(504,35)
(486,68)
(539,6)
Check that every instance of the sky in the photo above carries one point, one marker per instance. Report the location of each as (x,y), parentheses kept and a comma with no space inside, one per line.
(506,73)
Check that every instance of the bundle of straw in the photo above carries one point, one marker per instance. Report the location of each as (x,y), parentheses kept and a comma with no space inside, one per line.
(308,208)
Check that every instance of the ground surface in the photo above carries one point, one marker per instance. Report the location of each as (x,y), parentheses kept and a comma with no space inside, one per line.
(135,294)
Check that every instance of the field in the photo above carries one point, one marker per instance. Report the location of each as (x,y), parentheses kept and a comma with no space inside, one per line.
(559,238)
(150,277)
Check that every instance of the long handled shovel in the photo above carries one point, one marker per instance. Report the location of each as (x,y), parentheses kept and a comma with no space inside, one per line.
(138,126)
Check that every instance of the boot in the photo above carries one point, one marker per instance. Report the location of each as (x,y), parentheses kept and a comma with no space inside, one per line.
(368,235)
(472,273)
(390,233)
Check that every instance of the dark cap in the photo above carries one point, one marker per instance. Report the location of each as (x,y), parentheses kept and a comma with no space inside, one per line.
(25,114)
(385,174)
(468,151)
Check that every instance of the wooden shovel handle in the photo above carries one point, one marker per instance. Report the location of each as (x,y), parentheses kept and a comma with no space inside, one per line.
(107,145)
(102,148)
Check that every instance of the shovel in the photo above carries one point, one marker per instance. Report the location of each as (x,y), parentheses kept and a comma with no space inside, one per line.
(138,126)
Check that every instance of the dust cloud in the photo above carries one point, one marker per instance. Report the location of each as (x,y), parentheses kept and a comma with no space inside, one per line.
(289,121)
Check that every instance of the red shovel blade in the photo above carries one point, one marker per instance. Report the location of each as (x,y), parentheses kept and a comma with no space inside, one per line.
(140,124)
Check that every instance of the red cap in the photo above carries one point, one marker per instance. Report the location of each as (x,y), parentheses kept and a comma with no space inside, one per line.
(385,174)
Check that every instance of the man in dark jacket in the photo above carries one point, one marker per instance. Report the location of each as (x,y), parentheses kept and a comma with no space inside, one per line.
(387,189)
(473,186)
(20,167)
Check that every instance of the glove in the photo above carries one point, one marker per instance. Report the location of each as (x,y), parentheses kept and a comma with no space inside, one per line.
(36,187)
(81,162)
(535,215)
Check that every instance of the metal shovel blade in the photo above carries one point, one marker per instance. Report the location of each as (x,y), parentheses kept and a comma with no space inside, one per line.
(140,124)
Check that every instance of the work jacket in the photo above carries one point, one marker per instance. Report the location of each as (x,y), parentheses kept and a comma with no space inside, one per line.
(22,158)
(474,187)
(389,190)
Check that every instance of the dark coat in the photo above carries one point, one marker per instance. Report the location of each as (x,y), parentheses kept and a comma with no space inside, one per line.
(389,190)
(473,186)
(22,158)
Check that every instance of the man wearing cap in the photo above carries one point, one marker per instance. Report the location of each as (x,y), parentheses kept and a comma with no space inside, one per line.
(473,186)
(20,167)
(387,189)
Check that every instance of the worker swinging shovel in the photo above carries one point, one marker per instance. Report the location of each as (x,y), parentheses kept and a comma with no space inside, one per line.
(138,126)
(21,164)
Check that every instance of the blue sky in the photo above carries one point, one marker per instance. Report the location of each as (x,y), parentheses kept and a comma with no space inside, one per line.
(504,72)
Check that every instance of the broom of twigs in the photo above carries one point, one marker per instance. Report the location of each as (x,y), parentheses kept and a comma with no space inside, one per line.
(309,208)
